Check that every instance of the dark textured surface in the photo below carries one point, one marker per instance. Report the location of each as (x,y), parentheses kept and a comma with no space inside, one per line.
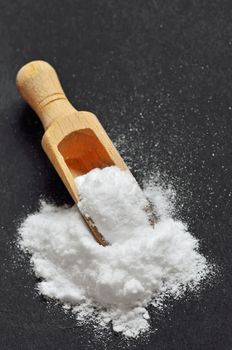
(160,73)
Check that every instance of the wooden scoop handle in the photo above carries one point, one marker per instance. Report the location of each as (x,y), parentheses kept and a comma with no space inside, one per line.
(39,85)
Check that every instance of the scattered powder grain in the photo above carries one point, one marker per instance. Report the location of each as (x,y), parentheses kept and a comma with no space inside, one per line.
(114,283)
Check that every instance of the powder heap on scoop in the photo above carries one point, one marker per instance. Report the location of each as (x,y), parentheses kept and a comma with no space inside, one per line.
(113,199)
(114,283)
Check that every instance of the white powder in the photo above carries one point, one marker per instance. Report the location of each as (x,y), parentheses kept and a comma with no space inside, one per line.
(113,199)
(114,283)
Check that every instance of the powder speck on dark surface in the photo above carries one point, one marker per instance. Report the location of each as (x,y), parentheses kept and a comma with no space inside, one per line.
(159,76)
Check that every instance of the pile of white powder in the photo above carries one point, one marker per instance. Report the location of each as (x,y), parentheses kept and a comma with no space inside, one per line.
(117,282)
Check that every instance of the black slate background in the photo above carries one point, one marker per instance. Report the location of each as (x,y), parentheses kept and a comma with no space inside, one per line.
(158,72)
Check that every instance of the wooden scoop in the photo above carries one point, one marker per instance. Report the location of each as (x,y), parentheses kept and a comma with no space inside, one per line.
(75,142)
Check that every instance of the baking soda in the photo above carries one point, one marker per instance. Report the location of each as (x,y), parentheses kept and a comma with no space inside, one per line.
(116,283)
(113,199)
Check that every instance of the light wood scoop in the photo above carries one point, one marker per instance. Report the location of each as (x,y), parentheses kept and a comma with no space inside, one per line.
(75,142)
